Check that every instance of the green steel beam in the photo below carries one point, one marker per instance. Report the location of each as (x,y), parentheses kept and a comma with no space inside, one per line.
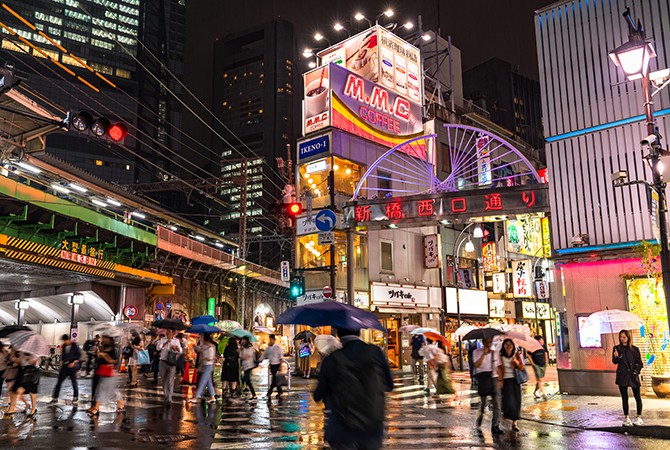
(61,206)
(9,220)
(36,228)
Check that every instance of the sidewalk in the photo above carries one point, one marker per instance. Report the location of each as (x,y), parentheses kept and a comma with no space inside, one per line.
(592,412)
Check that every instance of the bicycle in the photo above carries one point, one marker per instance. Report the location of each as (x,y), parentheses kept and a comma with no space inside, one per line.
(52,361)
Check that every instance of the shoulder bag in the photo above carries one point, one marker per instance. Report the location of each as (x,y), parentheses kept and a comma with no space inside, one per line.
(485,381)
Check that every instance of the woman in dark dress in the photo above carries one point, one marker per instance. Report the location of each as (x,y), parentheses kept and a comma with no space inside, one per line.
(26,382)
(230,372)
(629,364)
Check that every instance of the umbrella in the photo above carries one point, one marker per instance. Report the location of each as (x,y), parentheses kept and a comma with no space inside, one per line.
(227,325)
(336,314)
(170,323)
(407,328)
(239,333)
(29,342)
(265,330)
(203,320)
(327,344)
(523,340)
(203,328)
(435,337)
(612,321)
(463,330)
(107,329)
(422,330)
(304,335)
(9,329)
(515,327)
(152,332)
(481,333)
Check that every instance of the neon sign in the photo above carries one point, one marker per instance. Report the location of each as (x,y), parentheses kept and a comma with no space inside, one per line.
(430,208)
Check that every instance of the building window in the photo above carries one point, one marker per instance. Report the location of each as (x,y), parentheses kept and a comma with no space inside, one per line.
(386,253)
(445,158)
(384,184)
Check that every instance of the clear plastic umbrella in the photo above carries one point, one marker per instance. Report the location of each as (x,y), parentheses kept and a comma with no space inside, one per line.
(612,321)
(108,329)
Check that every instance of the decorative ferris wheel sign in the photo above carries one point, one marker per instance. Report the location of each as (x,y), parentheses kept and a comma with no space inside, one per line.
(477,174)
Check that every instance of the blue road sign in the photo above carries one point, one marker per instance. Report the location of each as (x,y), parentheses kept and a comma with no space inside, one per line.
(325,220)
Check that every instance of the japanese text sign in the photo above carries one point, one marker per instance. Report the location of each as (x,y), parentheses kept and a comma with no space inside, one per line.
(499,283)
(521,278)
(489,257)
(431,251)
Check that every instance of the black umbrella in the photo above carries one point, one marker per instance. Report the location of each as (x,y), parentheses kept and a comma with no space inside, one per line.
(170,323)
(9,329)
(304,335)
(151,333)
(482,333)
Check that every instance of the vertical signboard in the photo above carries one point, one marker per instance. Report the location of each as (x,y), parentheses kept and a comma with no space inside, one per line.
(521,278)
(211,306)
(467,281)
(489,257)
(285,271)
(525,236)
(484,161)
(542,289)
(499,283)
(431,252)
(316,104)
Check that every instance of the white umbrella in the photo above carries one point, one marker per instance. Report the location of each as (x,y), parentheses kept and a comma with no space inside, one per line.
(515,327)
(463,330)
(327,344)
(228,325)
(612,321)
(522,340)
(29,342)
(422,330)
(108,329)
(407,328)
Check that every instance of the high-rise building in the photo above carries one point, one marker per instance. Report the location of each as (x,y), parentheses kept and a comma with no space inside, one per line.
(512,99)
(254,96)
(594,123)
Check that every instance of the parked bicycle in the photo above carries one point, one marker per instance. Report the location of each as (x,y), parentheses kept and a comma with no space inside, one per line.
(52,361)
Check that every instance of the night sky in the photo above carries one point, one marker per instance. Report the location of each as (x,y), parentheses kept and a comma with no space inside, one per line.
(481,29)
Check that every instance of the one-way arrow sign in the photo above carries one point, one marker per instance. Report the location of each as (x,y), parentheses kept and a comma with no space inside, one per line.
(325,220)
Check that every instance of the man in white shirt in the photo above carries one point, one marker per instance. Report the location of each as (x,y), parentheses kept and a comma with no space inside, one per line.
(167,369)
(486,365)
(274,356)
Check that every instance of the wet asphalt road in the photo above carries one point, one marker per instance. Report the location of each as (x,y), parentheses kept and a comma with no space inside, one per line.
(294,422)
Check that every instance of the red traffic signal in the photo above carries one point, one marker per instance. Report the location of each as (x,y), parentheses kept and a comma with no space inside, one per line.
(117,132)
(294,208)
(101,127)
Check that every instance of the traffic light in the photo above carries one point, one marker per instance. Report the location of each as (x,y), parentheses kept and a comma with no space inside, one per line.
(297,286)
(100,127)
(294,208)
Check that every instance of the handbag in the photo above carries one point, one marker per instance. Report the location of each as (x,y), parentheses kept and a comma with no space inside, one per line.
(29,375)
(521,376)
(171,358)
(485,382)
(143,357)
(304,351)
(105,370)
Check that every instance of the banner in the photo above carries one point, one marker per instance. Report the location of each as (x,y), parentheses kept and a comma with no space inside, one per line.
(316,104)
(525,236)
(499,283)
(521,278)
(489,257)
(385,295)
(467,281)
(371,111)
(431,251)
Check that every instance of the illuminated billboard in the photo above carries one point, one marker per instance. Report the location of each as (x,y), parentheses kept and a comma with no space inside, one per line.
(380,56)
(338,97)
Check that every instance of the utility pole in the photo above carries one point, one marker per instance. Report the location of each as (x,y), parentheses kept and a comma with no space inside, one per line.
(331,189)
(242,249)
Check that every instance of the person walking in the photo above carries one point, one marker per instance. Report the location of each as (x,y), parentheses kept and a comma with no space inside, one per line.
(273,353)
(137,346)
(510,359)
(486,363)
(429,353)
(26,382)
(629,364)
(352,384)
(230,370)
(181,361)
(4,363)
(539,360)
(70,364)
(91,349)
(170,349)
(305,351)
(154,355)
(249,362)
(207,358)
(417,360)
(107,389)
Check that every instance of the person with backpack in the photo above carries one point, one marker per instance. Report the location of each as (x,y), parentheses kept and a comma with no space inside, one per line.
(417,360)
(91,349)
(352,384)
(539,359)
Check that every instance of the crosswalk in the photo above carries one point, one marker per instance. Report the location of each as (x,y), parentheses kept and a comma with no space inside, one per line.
(297,422)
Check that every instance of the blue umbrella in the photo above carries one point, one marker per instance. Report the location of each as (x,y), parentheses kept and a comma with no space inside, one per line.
(203,328)
(203,320)
(239,333)
(335,314)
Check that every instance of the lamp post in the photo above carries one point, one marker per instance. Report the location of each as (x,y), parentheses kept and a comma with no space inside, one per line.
(469,247)
(21,306)
(633,57)
(545,265)
(75,300)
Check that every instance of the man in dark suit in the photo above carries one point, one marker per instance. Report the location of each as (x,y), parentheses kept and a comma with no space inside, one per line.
(70,364)
(366,358)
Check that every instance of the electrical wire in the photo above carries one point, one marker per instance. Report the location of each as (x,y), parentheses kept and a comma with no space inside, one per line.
(204,122)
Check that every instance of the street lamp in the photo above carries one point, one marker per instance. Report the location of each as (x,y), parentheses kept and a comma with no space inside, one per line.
(359,16)
(21,306)
(320,37)
(339,27)
(633,58)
